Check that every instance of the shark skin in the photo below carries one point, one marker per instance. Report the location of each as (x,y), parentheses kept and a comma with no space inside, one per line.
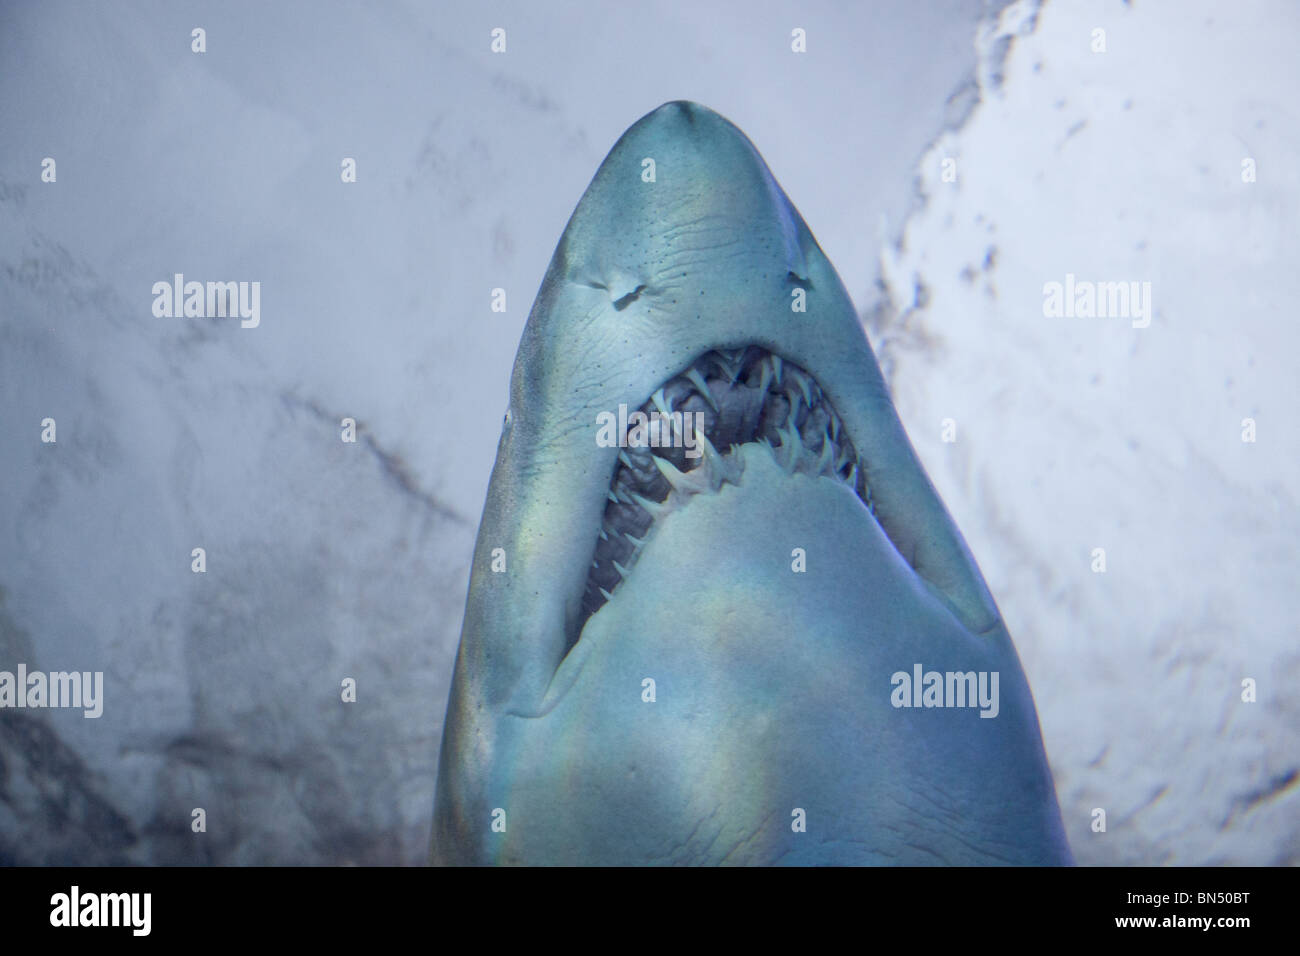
(771,735)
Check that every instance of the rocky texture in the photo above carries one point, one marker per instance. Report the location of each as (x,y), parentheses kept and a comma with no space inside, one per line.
(1082,433)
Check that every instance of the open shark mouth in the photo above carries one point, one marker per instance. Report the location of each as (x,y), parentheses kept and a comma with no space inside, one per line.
(730,397)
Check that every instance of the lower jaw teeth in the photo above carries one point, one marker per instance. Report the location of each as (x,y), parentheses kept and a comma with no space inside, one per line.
(742,396)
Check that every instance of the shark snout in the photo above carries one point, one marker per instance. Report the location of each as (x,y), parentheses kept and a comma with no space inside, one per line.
(682,195)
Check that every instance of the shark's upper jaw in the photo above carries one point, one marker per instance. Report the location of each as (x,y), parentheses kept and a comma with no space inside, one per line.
(684,444)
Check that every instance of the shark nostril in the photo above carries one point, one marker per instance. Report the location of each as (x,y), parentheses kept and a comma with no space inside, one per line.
(622,302)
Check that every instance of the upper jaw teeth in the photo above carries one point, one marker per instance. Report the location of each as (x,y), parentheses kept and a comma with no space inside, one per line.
(701,386)
(711,470)
(736,396)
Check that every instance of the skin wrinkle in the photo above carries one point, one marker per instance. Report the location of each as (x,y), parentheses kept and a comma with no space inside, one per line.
(723,238)
(722,828)
(714,221)
(949,826)
(686,257)
(926,849)
(748,839)
(685,844)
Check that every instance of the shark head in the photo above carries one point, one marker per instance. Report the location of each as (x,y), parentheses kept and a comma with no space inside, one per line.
(717,612)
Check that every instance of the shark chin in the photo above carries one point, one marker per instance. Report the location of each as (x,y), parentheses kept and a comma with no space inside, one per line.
(717,612)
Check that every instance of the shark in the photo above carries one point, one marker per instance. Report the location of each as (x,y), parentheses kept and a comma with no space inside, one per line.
(716,606)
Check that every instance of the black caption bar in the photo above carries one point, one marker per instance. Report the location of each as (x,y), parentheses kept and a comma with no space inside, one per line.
(335,906)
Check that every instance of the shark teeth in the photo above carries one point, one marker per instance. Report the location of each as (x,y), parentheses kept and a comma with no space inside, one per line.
(804,382)
(790,451)
(734,397)
(683,483)
(660,403)
(696,379)
(653,508)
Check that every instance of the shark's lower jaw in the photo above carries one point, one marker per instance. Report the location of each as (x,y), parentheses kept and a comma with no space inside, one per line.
(727,398)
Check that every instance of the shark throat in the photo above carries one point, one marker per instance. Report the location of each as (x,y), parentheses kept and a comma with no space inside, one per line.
(731,398)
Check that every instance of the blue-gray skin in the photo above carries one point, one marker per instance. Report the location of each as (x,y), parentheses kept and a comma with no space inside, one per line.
(772,688)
